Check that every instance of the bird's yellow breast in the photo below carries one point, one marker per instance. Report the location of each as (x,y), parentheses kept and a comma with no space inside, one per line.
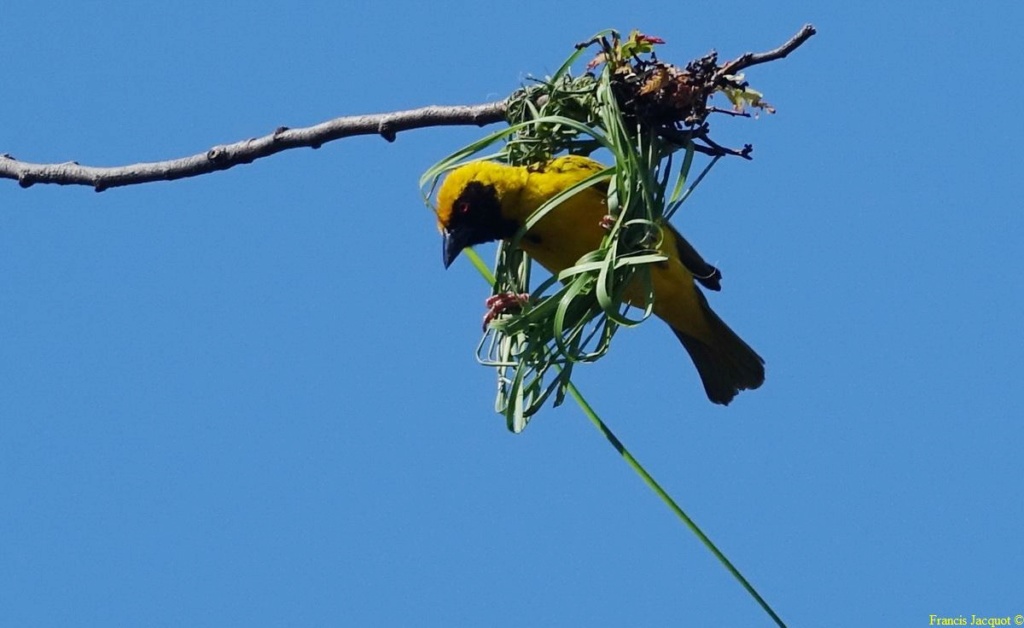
(570,230)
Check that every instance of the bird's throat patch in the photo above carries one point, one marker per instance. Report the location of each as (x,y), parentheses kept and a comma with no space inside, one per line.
(477,212)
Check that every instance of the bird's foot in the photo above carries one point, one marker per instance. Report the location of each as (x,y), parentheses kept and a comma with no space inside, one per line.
(499,304)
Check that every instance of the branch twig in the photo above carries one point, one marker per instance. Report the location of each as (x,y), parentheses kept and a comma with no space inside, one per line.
(754,58)
(718,150)
(387,125)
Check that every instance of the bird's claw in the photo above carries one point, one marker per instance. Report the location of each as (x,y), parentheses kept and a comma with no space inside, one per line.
(499,304)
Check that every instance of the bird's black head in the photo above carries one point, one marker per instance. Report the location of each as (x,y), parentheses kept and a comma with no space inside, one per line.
(474,217)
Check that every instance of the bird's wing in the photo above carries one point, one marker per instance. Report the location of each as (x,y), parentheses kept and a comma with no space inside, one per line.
(708,276)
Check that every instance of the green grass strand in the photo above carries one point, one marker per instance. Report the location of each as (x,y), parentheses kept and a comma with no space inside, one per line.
(588,410)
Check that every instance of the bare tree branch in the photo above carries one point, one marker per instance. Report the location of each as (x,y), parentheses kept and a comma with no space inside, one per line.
(387,125)
(754,58)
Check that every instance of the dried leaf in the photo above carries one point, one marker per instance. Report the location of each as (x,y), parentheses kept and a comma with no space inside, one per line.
(655,81)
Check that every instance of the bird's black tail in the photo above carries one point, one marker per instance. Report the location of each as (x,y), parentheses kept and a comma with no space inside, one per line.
(727,365)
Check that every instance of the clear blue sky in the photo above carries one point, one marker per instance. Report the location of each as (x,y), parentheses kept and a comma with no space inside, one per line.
(251,398)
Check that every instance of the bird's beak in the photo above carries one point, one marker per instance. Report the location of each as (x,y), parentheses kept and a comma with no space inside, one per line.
(454,242)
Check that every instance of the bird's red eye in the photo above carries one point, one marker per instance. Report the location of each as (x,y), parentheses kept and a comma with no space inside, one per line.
(462,207)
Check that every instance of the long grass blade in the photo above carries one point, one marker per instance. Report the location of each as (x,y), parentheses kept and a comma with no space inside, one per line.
(671,503)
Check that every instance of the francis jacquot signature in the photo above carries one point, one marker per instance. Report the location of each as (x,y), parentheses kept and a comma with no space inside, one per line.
(975,620)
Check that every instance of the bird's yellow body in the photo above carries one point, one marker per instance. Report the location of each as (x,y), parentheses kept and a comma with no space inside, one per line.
(486,201)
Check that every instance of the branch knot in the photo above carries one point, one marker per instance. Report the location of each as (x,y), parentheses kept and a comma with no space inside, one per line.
(217,154)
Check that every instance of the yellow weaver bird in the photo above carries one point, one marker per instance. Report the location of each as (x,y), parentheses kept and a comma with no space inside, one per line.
(486,201)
